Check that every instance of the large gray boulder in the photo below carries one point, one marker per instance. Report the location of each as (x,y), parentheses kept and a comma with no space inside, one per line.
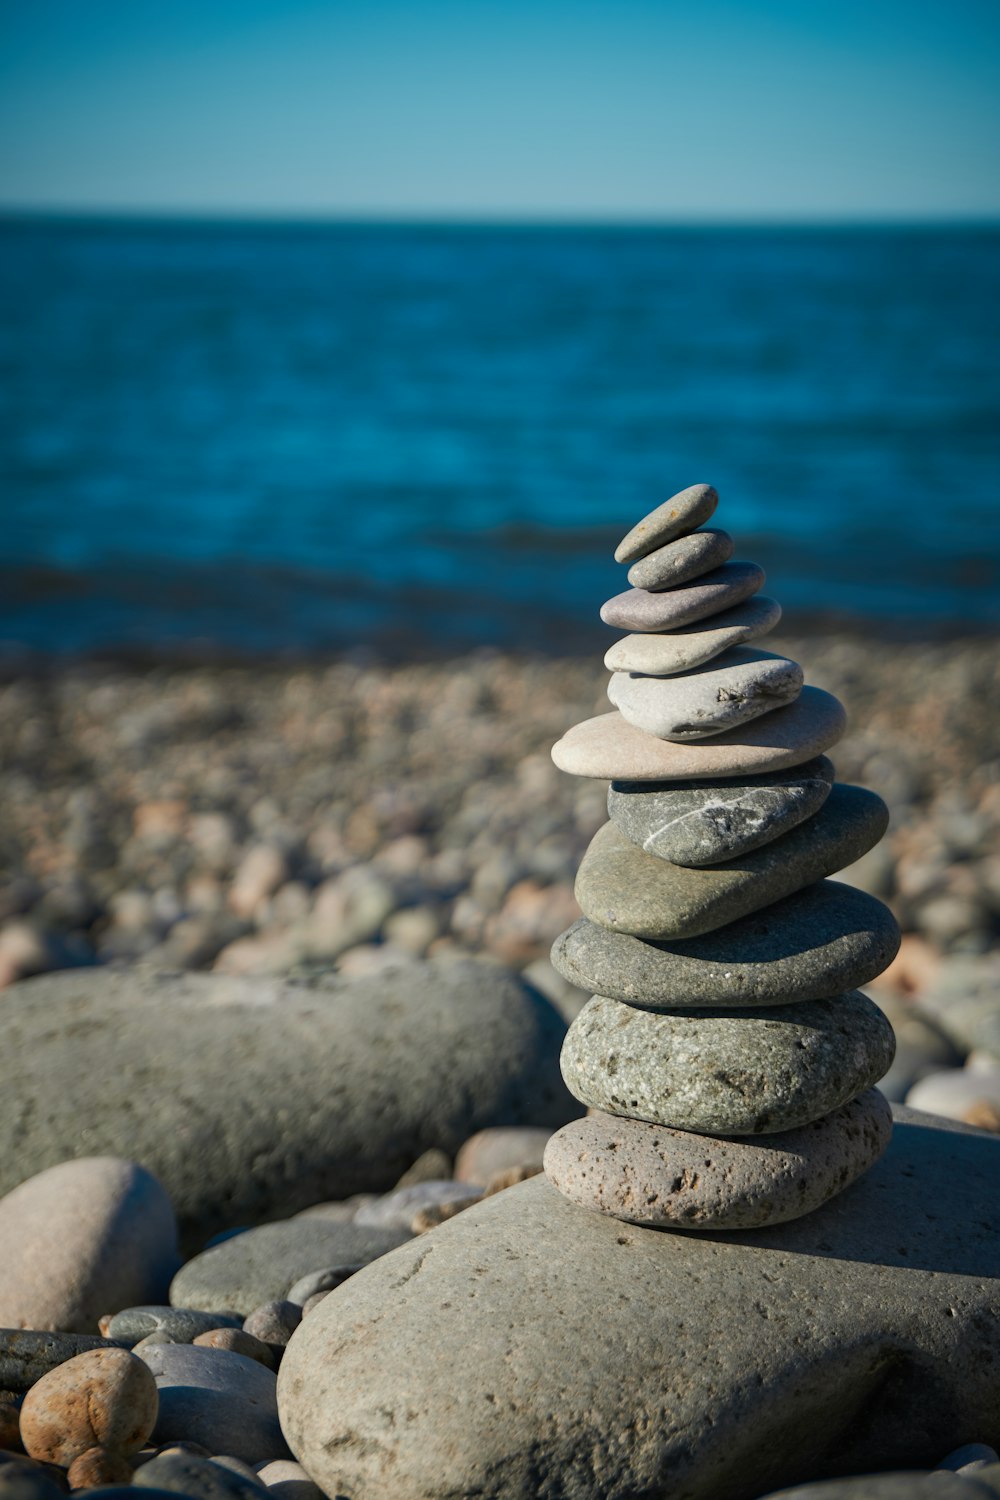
(252,1098)
(530,1347)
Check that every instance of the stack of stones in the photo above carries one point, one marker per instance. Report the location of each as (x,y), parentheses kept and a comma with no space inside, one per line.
(727,1055)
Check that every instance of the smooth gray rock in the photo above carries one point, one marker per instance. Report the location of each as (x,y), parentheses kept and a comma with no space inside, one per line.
(638,609)
(583,1358)
(681,560)
(727,1072)
(263,1264)
(823,940)
(675,1179)
(622,888)
(684,511)
(739,686)
(214,1397)
(708,822)
(670,651)
(903,1485)
(328,1086)
(27,1354)
(199,1478)
(182,1325)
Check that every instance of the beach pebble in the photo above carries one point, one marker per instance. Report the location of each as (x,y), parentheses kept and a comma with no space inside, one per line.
(667,652)
(83,1238)
(965,1094)
(239,1342)
(198,1478)
(708,822)
(238,1466)
(274,1322)
(906,1484)
(433,1165)
(682,513)
(27,1354)
(739,686)
(498,1149)
(960,1459)
(611,749)
(638,609)
(288,1480)
(27,1481)
(10,1436)
(823,940)
(396,1210)
(96,1467)
(727,1072)
(621,887)
(216,1398)
(315,1282)
(650,1174)
(105,1398)
(680,561)
(179,1325)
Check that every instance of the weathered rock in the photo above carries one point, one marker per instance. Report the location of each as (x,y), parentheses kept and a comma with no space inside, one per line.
(611,749)
(707,822)
(680,514)
(96,1467)
(824,940)
(648,1363)
(105,1398)
(727,1072)
(216,1398)
(26,1354)
(738,687)
(621,887)
(638,609)
(670,651)
(84,1237)
(681,560)
(260,1266)
(328,1086)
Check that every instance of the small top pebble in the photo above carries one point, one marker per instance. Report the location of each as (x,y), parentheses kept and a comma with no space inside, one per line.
(677,516)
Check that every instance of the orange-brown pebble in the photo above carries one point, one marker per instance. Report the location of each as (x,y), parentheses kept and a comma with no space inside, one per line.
(98,1466)
(104,1398)
(239,1343)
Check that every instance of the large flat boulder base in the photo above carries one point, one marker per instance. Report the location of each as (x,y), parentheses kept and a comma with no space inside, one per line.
(252,1098)
(532,1348)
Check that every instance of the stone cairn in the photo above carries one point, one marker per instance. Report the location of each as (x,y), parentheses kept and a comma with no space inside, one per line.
(727,1056)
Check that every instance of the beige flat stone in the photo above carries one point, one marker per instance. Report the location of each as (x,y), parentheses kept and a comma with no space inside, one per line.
(664,653)
(609,748)
(682,513)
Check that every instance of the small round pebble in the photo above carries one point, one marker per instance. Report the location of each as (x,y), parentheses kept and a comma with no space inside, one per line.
(239,1342)
(288,1480)
(105,1398)
(274,1322)
(98,1466)
(313,1302)
(324,1280)
(181,1325)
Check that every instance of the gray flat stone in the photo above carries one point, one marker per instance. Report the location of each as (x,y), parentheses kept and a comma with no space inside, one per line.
(252,1097)
(214,1397)
(680,561)
(727,1072)
(674,1179)
(638,609)
(198,1478)
(680,514)
(622,888)
(712,821)
(182,1325)
(905,1484)
(583,1358)
(822,941)
(261,1265)
(670,651)
(738,686)
(26,1354)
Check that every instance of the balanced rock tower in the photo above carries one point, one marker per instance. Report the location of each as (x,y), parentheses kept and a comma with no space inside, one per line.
(727,1055)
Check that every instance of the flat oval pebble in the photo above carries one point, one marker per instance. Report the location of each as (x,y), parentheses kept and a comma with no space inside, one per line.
(683,512)
(712,821)
(822,941)
(620,887)
(727,1072)
(198,1478)
(610,748)
(664,653)
(680,561)
(638,609)
(650,1174)
(105,1398)
(180,1324)
(739,686)
(221,1400)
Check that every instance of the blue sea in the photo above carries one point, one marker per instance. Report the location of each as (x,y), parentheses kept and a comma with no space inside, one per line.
(275,438)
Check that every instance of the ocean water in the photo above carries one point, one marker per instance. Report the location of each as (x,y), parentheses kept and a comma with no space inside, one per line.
(279,438)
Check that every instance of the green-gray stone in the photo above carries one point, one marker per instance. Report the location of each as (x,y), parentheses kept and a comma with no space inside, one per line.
(706,822)
(626,890)
(727,1072)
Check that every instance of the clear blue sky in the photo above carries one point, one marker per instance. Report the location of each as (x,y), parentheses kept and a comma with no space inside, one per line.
(721,109)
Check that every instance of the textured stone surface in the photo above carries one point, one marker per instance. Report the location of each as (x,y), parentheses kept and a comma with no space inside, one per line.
(84,1237)
(679,561)
(105,1398)
(712,821)
(622,888)
(638,609)
(584,1358)
(650,1174)
(261,1265)
(27,1354)
(680,514)
(610,748)
(283,1093)
(823,940)
(221,1400)
(739,686)
(727,1072)
(671,651)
